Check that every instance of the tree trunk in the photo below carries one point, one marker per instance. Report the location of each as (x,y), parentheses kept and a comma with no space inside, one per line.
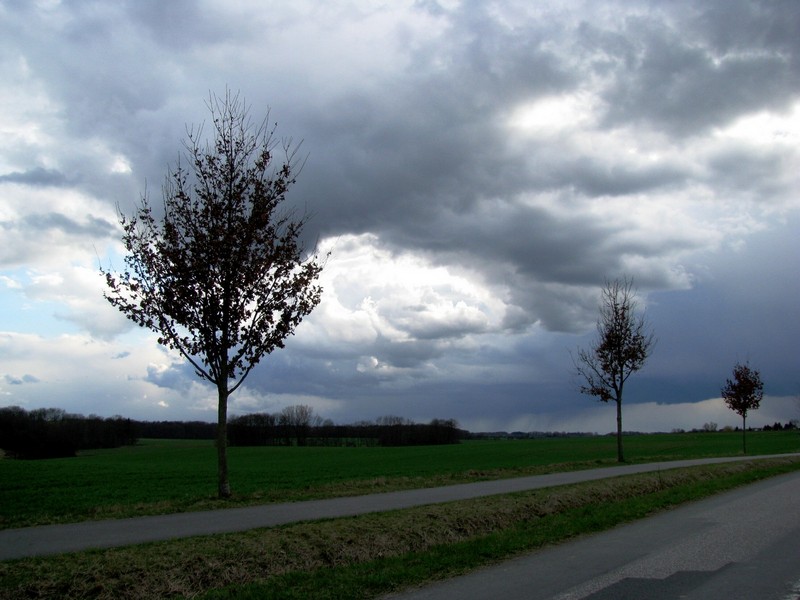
(744,435)
(224,485)
(620,456)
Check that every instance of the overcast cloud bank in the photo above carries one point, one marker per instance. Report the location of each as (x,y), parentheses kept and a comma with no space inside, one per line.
(478,171)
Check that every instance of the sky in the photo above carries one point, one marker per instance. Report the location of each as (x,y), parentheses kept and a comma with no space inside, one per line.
(478,171)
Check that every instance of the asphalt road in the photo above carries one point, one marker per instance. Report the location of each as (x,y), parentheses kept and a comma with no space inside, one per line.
(740,545)
(56,539)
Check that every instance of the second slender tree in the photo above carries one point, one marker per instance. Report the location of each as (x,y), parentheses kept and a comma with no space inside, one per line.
(222,276)
(623,344)
(742,394)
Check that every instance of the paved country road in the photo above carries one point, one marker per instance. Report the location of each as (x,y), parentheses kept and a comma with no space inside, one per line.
(738,545)
(56,539)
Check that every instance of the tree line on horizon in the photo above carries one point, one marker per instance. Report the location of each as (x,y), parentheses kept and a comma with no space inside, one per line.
(298,425)
(54,433)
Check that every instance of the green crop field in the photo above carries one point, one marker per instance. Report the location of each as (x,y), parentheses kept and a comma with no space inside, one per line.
(158,476)
(351,557)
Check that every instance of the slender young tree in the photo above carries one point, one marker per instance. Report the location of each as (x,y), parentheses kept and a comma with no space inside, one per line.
(742,394)
(623,344)
(222,276)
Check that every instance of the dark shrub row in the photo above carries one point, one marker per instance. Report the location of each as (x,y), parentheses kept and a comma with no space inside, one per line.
(263,429)
(53,433)
(175,430)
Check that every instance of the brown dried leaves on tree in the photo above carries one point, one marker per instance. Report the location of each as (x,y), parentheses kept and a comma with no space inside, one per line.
(743,393)
(222,277)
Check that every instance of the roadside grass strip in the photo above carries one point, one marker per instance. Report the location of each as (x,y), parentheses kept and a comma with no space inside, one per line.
(374,554)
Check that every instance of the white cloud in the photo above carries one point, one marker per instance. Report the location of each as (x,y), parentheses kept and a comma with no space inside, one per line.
(372,294)
(765,128)
(568,114)
(71,293)
(80,374)
(45,227)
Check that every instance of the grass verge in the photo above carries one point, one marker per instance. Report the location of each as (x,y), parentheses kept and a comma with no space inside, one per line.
(362,557)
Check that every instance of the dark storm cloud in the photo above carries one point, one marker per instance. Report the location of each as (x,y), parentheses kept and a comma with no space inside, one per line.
(36,177)
(420,163)
(409,137)
(426,325)
(428,142)
(593,177)
(12,380)
(175,376)
(686,84)
(38,224)
(736,25)
(743,309)
(110,83)
(99,92)
(183,25)
(759,174)
(401,159)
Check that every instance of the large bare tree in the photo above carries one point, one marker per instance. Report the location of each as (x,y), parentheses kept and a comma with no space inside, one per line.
(220,274)
(623,344)
(742,394)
